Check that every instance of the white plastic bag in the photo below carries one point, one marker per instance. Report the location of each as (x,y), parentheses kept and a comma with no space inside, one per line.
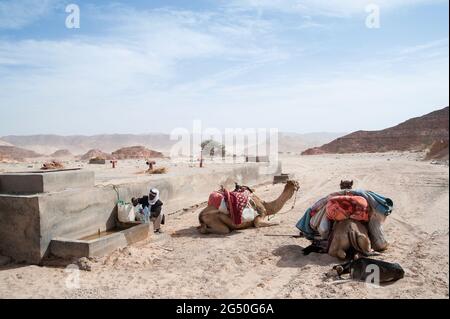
(142,214)
(249,214)
(125,212)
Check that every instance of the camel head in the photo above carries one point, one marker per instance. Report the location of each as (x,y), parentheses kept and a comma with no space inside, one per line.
(346,185)
(294,184)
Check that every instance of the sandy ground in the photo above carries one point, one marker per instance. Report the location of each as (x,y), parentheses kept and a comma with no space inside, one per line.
(248,264)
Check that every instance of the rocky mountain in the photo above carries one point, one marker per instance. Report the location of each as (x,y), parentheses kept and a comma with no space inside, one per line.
(95,153)
(136,152)
(3,143)
(16,153)
(438,151)
(416,134)
(48,144)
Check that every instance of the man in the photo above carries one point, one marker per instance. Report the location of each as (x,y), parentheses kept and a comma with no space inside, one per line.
(151,209)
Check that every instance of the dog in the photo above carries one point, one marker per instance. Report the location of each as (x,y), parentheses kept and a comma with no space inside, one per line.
(360,269)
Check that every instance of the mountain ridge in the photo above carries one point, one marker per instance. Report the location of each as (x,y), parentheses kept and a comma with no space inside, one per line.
(415,134)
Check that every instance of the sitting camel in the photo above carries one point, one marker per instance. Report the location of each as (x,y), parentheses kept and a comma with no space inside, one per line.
(215,222)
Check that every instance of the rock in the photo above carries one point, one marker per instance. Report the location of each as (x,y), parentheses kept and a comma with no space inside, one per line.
(4,260)
(84,264)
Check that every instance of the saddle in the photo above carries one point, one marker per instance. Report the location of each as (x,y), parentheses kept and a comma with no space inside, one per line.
(236,201)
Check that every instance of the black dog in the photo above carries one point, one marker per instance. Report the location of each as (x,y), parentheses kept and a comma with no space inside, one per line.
(359,270)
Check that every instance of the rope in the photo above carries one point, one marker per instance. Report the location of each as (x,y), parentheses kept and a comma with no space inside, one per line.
(292,208)
(117,192)
(295,200)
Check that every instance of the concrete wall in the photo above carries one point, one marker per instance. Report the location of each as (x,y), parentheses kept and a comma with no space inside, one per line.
(43,182)
(20,228)
(76,214)
(178,192)
(29,223)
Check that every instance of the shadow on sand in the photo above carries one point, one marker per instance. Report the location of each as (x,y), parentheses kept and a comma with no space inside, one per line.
(192,232)
(291,256)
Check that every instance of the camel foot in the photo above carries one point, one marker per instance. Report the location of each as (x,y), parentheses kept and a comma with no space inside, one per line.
(202,229)
(264,224)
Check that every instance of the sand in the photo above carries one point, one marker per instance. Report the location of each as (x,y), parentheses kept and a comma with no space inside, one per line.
(248,264)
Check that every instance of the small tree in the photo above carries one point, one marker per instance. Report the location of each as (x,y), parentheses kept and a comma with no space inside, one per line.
(212,147)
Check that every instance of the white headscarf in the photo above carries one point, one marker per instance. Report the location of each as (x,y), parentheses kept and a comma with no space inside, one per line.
(153,201)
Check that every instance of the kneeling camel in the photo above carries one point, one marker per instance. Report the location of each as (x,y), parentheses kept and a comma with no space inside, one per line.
(212,221)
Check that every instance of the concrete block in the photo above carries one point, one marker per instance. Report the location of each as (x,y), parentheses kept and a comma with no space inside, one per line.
(283,178)
(20,233)
(4,260)
(96,161)
(257,159)
(68,248)
(45,181)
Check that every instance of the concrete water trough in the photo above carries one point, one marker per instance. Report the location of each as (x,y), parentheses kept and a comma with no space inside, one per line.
(61,212)
(100,243)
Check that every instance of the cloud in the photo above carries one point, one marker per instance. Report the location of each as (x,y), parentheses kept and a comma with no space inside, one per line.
(333,8)
(440,45)
(180,65)
(18,14)
(140,55)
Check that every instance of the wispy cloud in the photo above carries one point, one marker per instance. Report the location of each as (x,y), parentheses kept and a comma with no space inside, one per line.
(189,64)
(18,14)
(441,46)
(334,8)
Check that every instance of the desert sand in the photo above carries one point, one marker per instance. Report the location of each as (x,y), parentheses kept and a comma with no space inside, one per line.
(249,264)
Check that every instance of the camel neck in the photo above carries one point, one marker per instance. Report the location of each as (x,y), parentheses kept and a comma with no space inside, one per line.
(276,205)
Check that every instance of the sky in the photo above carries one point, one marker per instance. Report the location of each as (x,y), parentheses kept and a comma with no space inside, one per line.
(153,66)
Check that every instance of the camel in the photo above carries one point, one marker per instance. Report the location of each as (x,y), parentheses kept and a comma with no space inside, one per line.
(348,234)
(212,221)
(52,165)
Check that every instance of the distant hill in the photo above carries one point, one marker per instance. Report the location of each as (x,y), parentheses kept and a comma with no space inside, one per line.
(416,134)
(48,144)
(3,143)
(16,153)
(136,152)
(62,153)
(95,153)
(78,144)
(296,143)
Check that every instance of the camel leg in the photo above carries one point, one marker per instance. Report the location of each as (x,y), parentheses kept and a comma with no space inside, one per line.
(338,247)
(259,223)
(364,244)
(203,229)
(219,229)
(212,224)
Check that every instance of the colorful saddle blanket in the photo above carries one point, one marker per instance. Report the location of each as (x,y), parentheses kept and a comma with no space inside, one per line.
(347,206)
(235,201)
